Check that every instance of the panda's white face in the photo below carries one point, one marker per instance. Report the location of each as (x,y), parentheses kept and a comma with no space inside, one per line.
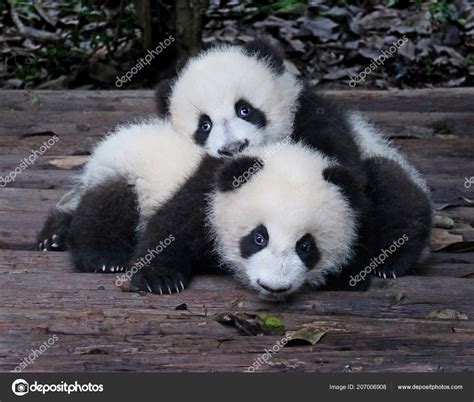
(286,226)
(277,259)
(228,101)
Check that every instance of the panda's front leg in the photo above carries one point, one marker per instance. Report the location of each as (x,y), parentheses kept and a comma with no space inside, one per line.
(159,279)
(162,262)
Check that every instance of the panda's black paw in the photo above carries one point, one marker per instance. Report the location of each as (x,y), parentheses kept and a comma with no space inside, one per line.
(53,243)
(109,268)
(386,273)
(159,281)
(53,235)
(100,261)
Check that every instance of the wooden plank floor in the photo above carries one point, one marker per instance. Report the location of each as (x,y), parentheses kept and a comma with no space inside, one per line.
(100,328)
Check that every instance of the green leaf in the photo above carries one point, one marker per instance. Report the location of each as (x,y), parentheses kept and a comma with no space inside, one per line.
(270,321)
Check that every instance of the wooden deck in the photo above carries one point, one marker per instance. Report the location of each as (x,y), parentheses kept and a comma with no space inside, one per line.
(100,328)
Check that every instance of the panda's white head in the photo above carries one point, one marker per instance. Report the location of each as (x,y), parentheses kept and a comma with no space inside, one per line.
(283,222)
(232,98)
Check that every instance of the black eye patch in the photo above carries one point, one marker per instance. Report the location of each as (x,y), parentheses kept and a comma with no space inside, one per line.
(203,129)
(307,251)
(255,241)
(247,112)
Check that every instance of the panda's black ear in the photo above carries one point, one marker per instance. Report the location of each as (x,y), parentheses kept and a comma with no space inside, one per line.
(162,95)
(351,185)
(263,50)
(237,172)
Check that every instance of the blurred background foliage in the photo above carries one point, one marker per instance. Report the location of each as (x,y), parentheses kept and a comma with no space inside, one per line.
(89,43)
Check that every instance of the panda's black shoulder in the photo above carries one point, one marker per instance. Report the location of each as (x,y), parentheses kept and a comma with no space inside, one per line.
(324,125)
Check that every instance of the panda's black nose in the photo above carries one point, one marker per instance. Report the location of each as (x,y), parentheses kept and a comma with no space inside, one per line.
(233,148)
(273,290)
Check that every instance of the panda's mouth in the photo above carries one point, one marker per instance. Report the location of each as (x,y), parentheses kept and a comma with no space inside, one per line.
(273,290)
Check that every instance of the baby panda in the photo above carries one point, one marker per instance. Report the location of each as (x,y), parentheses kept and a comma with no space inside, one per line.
(129,175)
(278,223)
(230,99)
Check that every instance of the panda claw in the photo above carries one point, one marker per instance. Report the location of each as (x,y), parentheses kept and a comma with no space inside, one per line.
(40,246)
(182,285)
(161,292)
(169,290)
(176,287)
(385,275)
(55,237)
(394,276)
(103,268)
(55,245)
(149,288)
(112,269)
(46,243)
(45,249)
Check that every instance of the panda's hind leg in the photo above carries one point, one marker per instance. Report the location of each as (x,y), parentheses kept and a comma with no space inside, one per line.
(103,229)
(401,216)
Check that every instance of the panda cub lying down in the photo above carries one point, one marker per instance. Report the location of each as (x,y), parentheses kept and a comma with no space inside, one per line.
(148,181)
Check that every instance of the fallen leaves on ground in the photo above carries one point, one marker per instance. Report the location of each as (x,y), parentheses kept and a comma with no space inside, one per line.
(253,324)
(447,314)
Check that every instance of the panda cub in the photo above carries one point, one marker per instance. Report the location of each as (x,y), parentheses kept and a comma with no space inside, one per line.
(129,175)
(299,219)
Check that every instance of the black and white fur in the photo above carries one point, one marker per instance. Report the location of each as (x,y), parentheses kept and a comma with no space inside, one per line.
(129,175)
(227,100)
(312,214)
(205,103)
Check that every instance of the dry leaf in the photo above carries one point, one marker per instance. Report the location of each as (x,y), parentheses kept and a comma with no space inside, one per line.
(440,239)
(182,306)
(305,335)
(467,200)
(68,163)
(443,222)
(447,314)
(258,324)
(398,297)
